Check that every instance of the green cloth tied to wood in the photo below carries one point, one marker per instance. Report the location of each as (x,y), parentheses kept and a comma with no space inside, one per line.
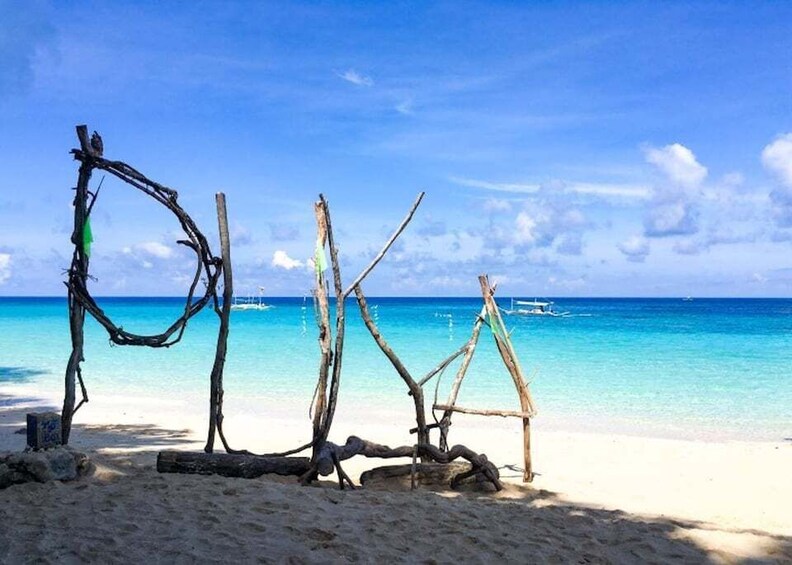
(87,239)
(495,326)
(320,260)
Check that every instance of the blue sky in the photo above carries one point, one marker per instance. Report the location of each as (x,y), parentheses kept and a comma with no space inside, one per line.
(566,148)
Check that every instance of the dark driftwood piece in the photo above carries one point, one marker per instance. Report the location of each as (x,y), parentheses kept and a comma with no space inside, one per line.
(80,301)
(78,274)
(435,472)
(416,391)
(509,357)
(228,464)
(208,266)
(424,474)
(415,387)
(216,377)
(480,465)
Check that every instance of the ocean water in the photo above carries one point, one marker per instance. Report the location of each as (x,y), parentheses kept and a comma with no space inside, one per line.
(710,368)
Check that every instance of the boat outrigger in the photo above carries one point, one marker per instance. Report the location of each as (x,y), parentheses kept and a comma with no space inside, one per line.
(251,302)
(532,308)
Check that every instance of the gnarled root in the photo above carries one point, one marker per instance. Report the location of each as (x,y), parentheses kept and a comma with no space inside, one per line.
(331,455)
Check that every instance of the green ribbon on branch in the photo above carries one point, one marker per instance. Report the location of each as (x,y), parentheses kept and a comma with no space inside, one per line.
(320,260)
(87,237)
(495,326)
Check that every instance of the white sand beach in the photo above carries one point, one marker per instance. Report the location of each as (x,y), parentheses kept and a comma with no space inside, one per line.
(596,498)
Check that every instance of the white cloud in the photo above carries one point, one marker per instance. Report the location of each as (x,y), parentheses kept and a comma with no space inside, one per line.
(635,248)
(499,186)
(733,179)
(5,267)
(155,249)
(526,228)
(405,107)
(678,163)
(671,218)
(542,224)
(604,189)
(282,260)
(496,205)
(777,157)
(354,77)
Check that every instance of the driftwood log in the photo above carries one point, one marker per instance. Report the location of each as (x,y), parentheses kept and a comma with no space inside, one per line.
(228,464)
(423,474)
(331,455)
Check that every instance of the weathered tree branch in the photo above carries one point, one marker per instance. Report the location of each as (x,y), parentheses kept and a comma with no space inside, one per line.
(364,273)
(415,390)
(470,348)
(357,446)
(509,357)
(482,412)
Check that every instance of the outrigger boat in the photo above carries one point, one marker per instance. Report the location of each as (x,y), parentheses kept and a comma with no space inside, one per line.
(251,302)
(532,308)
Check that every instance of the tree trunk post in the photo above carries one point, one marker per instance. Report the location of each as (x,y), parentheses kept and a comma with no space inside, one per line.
(216,379)
(79,271)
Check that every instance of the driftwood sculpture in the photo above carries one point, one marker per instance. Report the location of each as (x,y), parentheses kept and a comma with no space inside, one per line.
(325,455)
(509,357)
(209,268)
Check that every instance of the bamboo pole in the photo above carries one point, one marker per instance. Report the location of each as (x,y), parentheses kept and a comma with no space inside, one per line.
(512,364)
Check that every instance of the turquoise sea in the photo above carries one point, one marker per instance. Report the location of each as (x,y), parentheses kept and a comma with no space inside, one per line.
(708,368)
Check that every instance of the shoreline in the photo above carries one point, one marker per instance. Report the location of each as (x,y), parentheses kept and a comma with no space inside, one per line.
(733,484)
(396,409)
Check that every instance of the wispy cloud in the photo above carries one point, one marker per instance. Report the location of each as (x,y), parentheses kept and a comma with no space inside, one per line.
(617,190)
(630,191)
(280,231)
(405,107)
(356,78)
(498,186)
(155,249)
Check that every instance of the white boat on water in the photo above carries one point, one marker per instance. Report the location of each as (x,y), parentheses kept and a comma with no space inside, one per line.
(532,308)
(251,302)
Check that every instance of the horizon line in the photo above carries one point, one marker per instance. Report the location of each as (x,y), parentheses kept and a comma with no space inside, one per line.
(669,297)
